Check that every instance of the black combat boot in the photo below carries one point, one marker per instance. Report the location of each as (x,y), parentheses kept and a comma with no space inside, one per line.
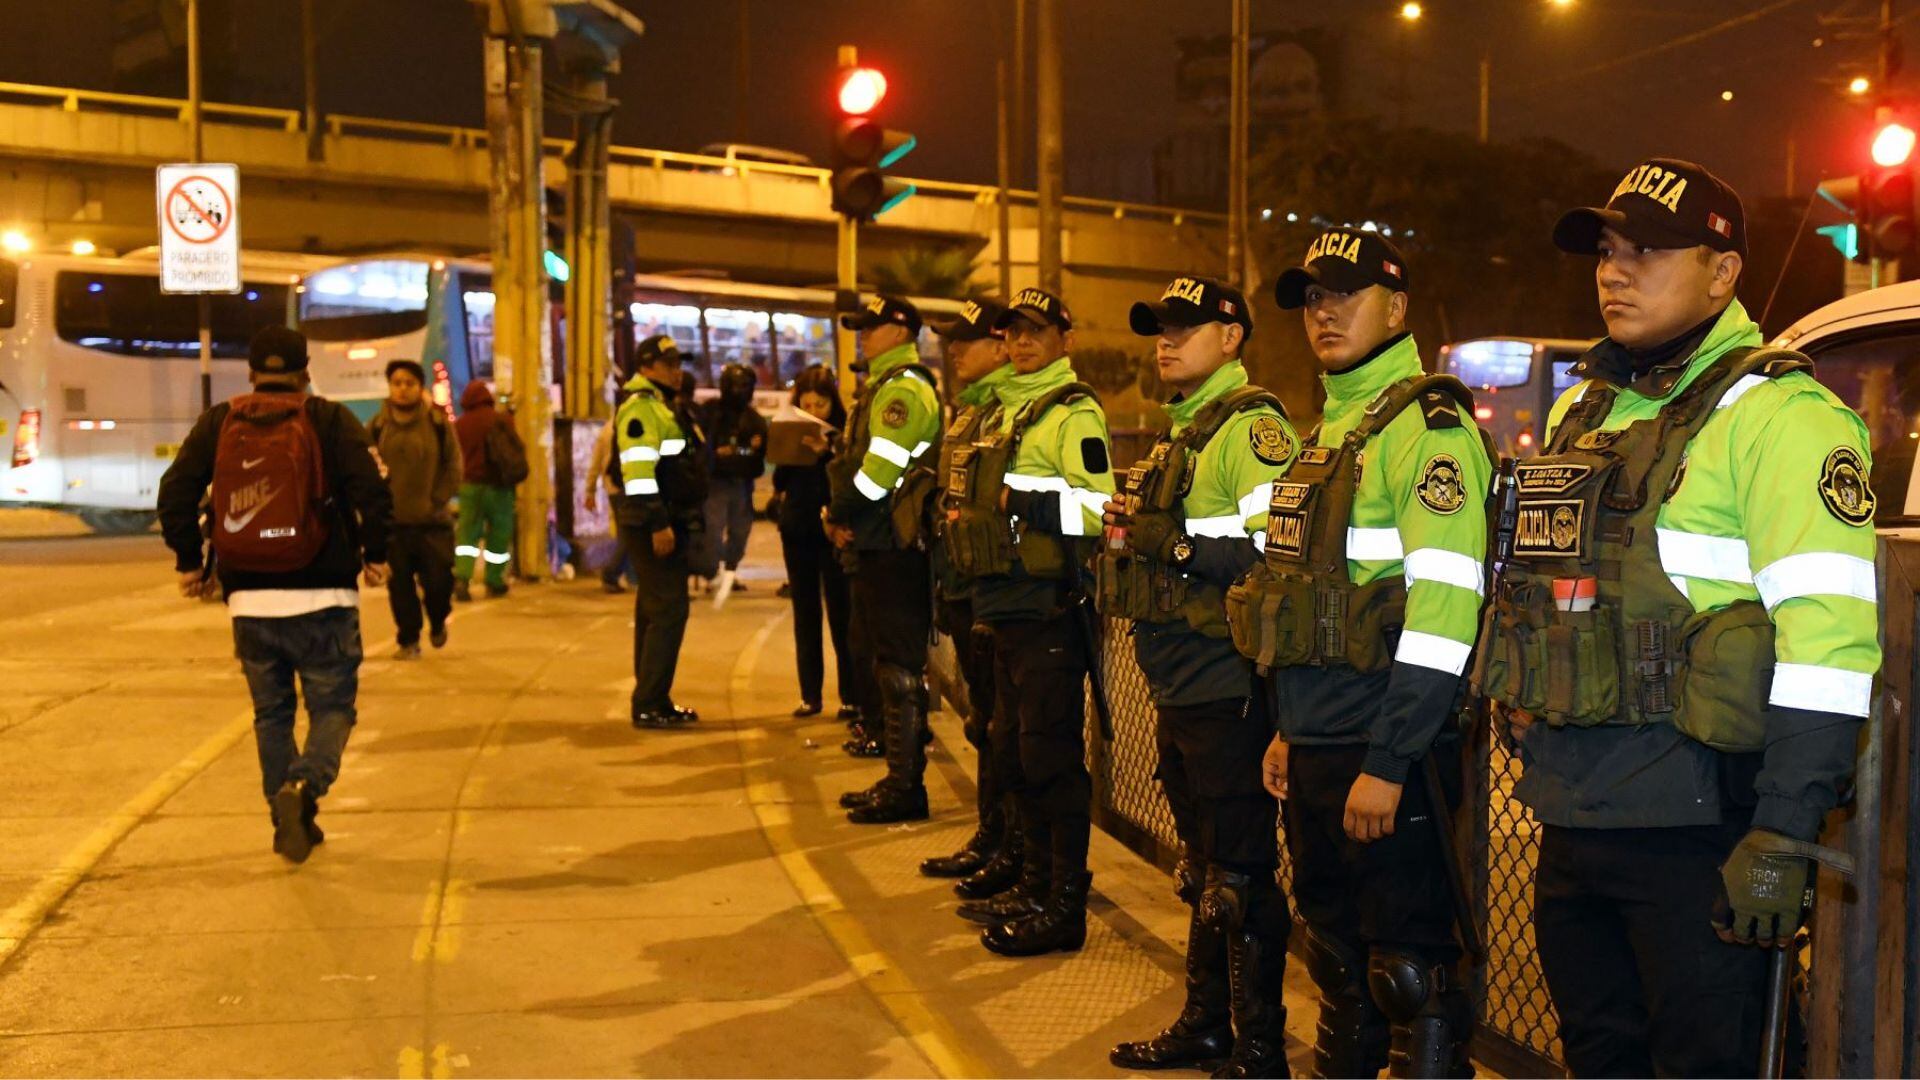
(862,796)
(1000,873)
(979,849)
(1202,1036)
(1256,964)
(1061,926)
(1024,898)
(1351,1036)
(1431,1016)
(902,796)
(891,804)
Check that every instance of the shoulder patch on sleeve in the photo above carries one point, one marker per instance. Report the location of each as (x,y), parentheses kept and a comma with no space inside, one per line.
(1439,409)
(635,429)
(1269,439)
(1844,487)
(1440,489)
(1093,455)
(895,414)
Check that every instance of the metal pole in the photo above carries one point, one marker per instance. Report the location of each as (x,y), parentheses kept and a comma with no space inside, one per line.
(310,55)
(1052,160)
(1237,149)
(847,278)
(1486,94)
(1004,152)
(198,138)
(1018,126)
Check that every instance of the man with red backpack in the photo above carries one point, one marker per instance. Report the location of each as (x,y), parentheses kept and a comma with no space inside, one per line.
(297,506)
(495,462)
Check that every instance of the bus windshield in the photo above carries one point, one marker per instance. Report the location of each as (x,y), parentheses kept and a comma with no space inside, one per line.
(129,315)
(1492,363)
(378,299)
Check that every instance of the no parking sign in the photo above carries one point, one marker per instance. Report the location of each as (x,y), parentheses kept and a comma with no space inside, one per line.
(199,207)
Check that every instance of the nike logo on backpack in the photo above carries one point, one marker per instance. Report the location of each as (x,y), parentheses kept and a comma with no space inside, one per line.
(252,462)
(235,524)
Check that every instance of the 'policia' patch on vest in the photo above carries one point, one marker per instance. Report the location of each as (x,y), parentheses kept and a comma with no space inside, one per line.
(1287,534)
(895,414)
(1549,479)
(1844,488)
(1439,489)
(1269,440)
(1316,455)
(1550,529)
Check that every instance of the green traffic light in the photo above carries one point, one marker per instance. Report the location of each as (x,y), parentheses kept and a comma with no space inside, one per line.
(898,152)
(557,267)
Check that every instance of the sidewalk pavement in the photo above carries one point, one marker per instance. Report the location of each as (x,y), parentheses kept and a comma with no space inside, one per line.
(515,882)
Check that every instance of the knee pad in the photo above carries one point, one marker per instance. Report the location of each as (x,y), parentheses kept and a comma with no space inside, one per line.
(1223,903)
(898,686)
(1334,967)
(1190,878)
(1402,984)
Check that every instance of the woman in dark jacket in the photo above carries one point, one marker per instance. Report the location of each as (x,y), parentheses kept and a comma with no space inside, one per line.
(800,493)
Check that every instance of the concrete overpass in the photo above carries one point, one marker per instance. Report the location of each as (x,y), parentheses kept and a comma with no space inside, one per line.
(78,164)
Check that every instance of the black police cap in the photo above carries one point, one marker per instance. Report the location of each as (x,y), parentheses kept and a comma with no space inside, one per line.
(1191,301)
(883,309)
(1345,261)
(1661,203)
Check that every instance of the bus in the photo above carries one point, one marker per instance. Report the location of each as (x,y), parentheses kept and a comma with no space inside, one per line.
(360,315)
(1514,382)
(100,375)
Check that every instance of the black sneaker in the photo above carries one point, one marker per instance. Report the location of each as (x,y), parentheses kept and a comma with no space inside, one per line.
(290,837)
(496,591)
(314,836)
(807,708)
(438,636)
(463,592)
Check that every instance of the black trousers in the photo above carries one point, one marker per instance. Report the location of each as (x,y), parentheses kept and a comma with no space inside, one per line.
(1210,769)
(1039,734)
(659,616)
(1642,985)
(1391,893)
(973,649)
(814,572)
(893,608)
(420,558)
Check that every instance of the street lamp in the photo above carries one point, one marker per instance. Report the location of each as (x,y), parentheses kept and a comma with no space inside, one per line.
(1411,10)
(1860,85)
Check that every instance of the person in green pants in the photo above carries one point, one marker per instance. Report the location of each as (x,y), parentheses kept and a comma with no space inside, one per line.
(488,446)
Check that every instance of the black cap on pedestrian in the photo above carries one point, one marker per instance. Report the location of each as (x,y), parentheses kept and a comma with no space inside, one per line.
(277,350)
(656,350)
(1660,203)
(411,367)
(1038,307)
(1191,301)
(1344,261)
(882,309)
(977,321)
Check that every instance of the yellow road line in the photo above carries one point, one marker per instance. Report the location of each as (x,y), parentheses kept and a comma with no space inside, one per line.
(26,915)
(892,989)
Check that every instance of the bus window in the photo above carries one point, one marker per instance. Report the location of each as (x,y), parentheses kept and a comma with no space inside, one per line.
(379,299)
(9,288)
(129,315)
(476,302)
(1492,363)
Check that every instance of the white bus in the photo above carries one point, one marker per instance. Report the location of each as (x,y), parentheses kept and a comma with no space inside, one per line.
(1514,382)
(100,375)
(360,315)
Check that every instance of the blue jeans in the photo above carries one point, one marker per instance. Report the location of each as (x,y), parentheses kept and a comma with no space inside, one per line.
(323,649)
(729,513)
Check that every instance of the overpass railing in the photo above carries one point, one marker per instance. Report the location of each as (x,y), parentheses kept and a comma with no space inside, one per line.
(339,125)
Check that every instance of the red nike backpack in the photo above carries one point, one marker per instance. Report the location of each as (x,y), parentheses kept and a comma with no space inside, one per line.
(269,486)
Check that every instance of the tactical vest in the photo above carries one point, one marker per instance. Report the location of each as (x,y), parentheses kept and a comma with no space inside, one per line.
(841,470)
(1143,590)
(1299,606)
(680,473)
(1585,627)
(967,427)
(982,540)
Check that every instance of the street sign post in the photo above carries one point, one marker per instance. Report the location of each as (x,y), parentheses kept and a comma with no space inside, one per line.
(199,212)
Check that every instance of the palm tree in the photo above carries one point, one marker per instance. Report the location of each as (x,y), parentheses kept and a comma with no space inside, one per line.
(946,273)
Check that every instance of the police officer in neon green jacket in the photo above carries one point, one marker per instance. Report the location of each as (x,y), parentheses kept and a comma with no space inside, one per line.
(663,486)
(1186,526)
(895,423)
(1375,547)
(1052,442)
(1681,775)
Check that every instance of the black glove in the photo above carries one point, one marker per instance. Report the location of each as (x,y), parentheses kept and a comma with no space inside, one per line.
(1765,890)
(1151,534)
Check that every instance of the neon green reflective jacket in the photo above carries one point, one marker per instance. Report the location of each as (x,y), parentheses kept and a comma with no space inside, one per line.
(1398,528)
(1756,516)
(1064,464)
(901,422)
(646,431)
(1227,503)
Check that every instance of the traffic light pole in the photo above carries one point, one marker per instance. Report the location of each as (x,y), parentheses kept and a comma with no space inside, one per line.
(847,299)
(1052,161)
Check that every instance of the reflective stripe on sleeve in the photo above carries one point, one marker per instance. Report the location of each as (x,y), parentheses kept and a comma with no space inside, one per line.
(1816,573)
(638,453)
(1433,651)
(1821,689)
(642,487)
(888,450)
(1072,522)
(670,447)
(467,551)
(1260,541)
(922,447)
(1739,389)
(865,485)
(1721,558)
(1374,545)
(1225,525)
(499,558)
(1446,567)
(1257,501)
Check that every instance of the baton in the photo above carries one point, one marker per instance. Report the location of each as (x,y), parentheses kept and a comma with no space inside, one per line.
(1449,858)
(1773,1045)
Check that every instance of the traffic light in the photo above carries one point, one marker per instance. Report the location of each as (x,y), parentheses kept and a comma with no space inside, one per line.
(863,147)
(554,255)
(1886,196)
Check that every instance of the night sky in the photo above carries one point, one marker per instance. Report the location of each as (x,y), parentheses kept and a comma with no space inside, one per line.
(1582,74)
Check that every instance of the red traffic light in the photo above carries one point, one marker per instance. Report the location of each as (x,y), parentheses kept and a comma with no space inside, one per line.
(861,90)
(1892,145)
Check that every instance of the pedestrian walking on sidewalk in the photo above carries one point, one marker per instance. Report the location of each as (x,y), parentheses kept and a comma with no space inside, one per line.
(495,460)
(606,480)
(299,511)
(738,435)
(800,493)
(421,459)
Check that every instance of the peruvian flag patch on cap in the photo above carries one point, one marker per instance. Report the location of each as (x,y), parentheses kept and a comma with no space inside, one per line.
(1720,225)
(1390,268)
(1226,307)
